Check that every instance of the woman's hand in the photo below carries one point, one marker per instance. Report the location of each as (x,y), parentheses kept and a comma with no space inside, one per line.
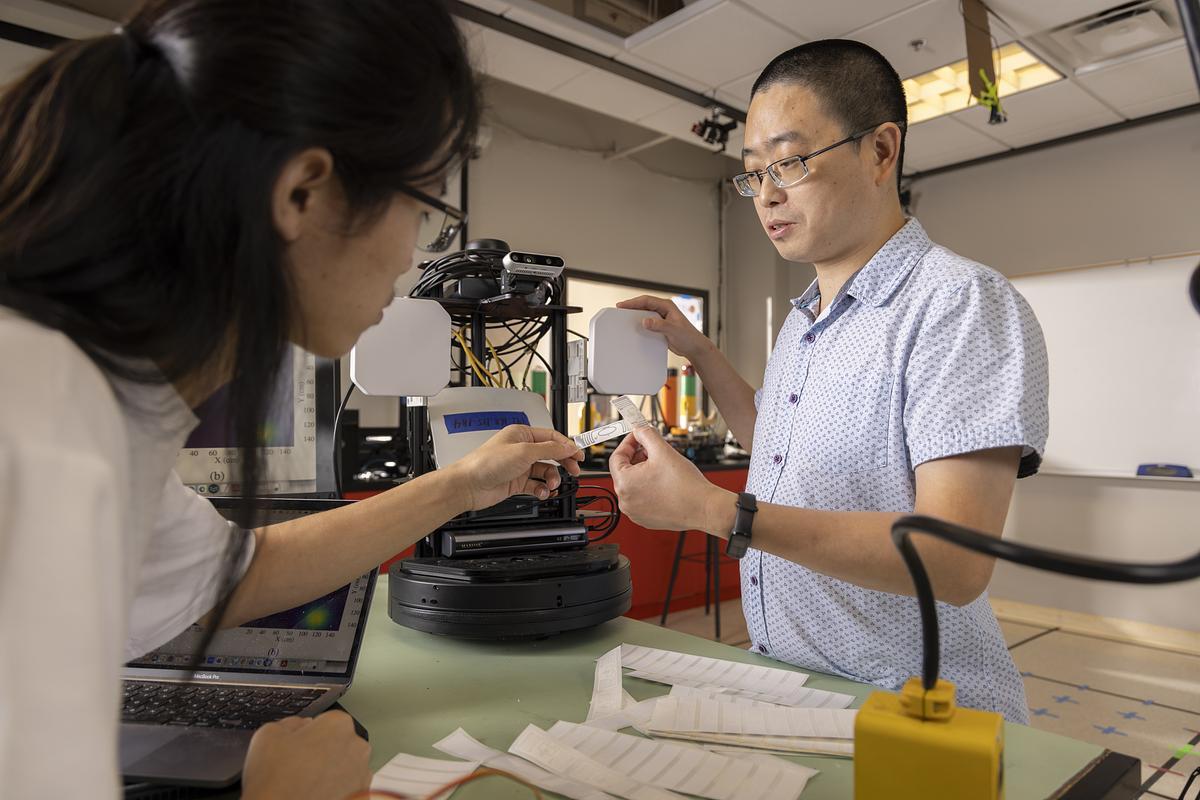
(660,489)
(511,463)
(682,337)
(321,758)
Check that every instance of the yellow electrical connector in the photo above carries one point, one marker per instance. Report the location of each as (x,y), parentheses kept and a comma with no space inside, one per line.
(918,745)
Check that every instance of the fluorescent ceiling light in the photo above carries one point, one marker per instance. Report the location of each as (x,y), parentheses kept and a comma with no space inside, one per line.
(947,89)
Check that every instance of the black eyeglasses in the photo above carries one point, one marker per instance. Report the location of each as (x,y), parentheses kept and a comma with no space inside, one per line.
(439,225)
(788,171)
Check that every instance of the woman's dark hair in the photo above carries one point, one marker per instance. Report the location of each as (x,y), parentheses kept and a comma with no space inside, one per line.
(137,169)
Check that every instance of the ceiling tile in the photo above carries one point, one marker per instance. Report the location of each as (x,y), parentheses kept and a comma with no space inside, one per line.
(1035,16)
(944,141)
(569,29)
(1142,81)
(937,22)
(55,19)
(1038,115)
(738,92)
(717,46)
(613,95)
(15,59)
(664,73)
(1160,104)
(821,19)
(519,62)
(676,120)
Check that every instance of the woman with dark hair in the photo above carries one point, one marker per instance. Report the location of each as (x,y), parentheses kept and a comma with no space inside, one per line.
(180,202)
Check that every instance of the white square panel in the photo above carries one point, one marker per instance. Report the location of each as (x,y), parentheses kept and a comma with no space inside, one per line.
(942,141)
(821,19)
(738,92)
(613,95)
(519,62)
(718,46)
(662,72)
(937,22)
(1038,115)
(569,29)
(1035,16)
(1139,82)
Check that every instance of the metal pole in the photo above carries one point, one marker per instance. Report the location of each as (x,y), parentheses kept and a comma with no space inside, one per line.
(1189,19)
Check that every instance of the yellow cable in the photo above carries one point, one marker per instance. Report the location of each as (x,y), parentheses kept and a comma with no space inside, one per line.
(477,366)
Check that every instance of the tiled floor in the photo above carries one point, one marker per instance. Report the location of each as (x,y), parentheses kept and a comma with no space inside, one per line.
(1134,699)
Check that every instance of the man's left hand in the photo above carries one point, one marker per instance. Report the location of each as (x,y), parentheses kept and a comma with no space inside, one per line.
(660,489)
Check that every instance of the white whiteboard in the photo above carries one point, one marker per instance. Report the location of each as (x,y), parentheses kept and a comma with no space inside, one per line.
(1124,347)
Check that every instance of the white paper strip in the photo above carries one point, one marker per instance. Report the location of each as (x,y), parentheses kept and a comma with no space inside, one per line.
(684,768)
(629,411)
(602,434)
(797,775)
(419,777)
(535,745)
(787,745)
(703,715)
(636,715)
(462,745)
(693,670)
(607,695)
(812,698)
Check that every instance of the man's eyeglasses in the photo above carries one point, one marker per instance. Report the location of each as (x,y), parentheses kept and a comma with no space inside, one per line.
(440,223)
(788,171)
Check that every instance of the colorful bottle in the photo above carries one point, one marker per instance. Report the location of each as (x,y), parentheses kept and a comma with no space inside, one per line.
(668,398)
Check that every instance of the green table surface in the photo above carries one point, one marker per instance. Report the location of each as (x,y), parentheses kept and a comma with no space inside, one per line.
(411,689)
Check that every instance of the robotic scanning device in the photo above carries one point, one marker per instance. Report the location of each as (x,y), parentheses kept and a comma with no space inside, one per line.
(484,317)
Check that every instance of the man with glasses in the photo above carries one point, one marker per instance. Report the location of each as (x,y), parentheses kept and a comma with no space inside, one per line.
(905,378)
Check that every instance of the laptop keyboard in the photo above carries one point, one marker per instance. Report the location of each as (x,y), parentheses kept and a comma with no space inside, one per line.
(162,703)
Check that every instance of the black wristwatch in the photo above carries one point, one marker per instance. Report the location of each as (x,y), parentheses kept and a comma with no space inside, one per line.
(739,537)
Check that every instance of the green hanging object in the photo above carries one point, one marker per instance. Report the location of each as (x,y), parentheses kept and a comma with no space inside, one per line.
(981,67)
(990,98)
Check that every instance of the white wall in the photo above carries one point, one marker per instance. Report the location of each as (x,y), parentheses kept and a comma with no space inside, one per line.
(1125,195)
(610,217)
(757,279)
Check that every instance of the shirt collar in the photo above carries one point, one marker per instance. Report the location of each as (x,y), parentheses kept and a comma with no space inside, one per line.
(881,276)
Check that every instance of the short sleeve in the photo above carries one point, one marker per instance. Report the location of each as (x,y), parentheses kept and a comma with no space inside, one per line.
(62,561)
(193,553)
(977,376)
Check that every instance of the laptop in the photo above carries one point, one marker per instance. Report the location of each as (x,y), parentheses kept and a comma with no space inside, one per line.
(294,663)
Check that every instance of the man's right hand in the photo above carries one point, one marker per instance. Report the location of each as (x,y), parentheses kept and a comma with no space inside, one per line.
(321,758)
(682,336)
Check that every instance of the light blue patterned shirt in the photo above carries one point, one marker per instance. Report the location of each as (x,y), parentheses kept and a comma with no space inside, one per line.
(924,354)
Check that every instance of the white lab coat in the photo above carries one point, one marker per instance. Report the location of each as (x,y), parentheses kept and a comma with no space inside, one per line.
(104,555)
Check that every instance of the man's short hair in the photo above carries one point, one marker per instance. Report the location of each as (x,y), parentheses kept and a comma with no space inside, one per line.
(854,82)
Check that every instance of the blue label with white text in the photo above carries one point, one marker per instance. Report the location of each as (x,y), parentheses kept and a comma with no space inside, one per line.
(484,421)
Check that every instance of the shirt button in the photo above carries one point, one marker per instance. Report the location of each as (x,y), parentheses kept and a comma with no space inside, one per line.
(778,459)
(754,580)
(810,338)
(793,398)
(762,648)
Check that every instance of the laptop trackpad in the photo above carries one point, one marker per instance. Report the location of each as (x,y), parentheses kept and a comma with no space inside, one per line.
(183,756)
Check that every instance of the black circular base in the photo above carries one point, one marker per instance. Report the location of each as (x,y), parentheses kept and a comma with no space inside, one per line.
(526,609)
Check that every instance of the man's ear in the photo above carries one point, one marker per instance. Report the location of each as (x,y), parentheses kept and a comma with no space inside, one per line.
(302,191)
(885,152)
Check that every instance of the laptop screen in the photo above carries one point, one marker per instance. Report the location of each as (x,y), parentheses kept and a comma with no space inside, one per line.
(317,638)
